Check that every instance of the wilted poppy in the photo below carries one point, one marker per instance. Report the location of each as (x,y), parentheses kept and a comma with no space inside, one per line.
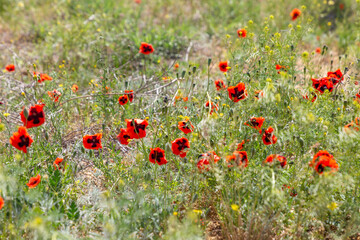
(256,123)
(180,146)
(10,68)
(336,76)
(323,84)
(123,136)
(219,84)
(92,141)
(34,181)
(123,100)
(280,160)
(35,118)
(259,94)
(75,88)
(21,139)
(41,77)
(186,126)
(57,163)
(268,136)
(136,128)
(130,94)
(223,66)
(157,155)
(295,13)
(238,92)
(214,107)
(55,95)
(1,202)
(239,158)
(146,48)
(241,33)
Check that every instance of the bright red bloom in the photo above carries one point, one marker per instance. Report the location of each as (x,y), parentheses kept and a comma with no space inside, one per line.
(41,77)
(295,14)
(238,92)
(146,48)
(210,156)
(223,66)
(203,164)
(357,121)
(268,136)
(75,88)
(57,163)
(186,126)
(240,146)
(35,118)
(259,94)
(130,94)
(21,140)
(256,123)
(326,162)
(92,141)
(176,66)
(279,67)
(307,97)
(219,84)
(136,128)
(321,153)
(10,68)
(318,50)
(157,155)
(34,181)
(55,95)
(1,202)
(123,136)
(214,107)
(281,160)
(323,84)
(348,128)
(242,33)
(240,159)
(336,76)
(358,94)
(123,100)
(180,146)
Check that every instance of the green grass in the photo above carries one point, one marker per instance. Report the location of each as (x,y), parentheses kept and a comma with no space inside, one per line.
(115,192)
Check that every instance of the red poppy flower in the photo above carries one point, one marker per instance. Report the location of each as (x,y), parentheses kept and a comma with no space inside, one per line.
(137,1)
(75,88)
(36,116)
(295,14)
(146,48)
(281,160)
(357,121)
(41,77)
(176,66)
(21,139)
(358,94)
(214,107)
(321,153)
(241,33)
(326,163)
(185,99)
(341,6)
(34,181)
(318,50)
(348,128)
(259,94)
(157,155)
(210,156)
(336,76)
(92,141)
(203,164)
(323,84)
(123,136)
(136,128)
(268,137)
(240,159)
(130,94)
(1,202)
(186,126)
(307,97)
(223,66)
(238,92)
(219,84)
(180,146)
(55,95)
(279,67)
(256,123)
(240,146)
(10,68)
(57,163)
(123,100)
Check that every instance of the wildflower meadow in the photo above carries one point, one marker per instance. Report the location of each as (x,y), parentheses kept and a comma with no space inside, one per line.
(191,119)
